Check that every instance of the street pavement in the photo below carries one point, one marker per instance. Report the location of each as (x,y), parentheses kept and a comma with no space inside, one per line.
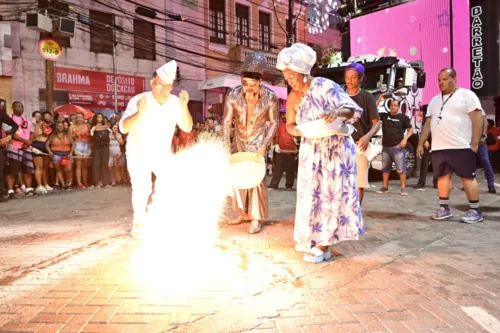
(67,264)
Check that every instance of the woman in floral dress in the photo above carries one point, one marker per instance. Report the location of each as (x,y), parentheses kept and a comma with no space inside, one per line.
(328,208)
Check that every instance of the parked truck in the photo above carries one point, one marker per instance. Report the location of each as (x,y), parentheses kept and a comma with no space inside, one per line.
(391,77)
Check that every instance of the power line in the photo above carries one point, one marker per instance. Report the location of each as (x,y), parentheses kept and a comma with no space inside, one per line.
(155,41)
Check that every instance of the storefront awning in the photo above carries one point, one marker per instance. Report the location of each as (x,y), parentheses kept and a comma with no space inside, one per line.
(231,80)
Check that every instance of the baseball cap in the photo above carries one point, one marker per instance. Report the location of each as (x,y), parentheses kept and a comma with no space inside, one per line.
(357,67)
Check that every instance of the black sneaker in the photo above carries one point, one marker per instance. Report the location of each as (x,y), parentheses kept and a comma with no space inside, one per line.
(491,189)
(420,186)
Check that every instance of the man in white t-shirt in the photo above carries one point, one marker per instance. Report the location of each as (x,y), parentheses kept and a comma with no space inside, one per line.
(150,120)
(456,125)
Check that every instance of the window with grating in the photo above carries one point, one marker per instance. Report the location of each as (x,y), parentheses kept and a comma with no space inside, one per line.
(144,36)
(264,31)
(101,33)
(242,25)
(217,21)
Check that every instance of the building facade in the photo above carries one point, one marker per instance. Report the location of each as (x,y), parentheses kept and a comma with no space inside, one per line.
(145,38)
(239,27)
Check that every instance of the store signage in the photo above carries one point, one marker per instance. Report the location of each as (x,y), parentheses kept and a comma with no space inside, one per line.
(97,100)
(484,48)
(49,49)
(72,79)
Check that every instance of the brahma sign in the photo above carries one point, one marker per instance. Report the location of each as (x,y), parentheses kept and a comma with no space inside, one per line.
(96,89)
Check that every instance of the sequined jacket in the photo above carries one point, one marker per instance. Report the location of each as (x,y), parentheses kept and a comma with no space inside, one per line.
(250,135)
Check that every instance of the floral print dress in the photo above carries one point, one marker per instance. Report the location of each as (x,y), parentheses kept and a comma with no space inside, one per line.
(328,208)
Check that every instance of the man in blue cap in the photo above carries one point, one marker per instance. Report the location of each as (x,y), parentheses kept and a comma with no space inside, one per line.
(367,126)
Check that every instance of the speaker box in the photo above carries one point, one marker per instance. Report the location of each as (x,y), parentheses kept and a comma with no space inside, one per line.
(38,22)
(66,27)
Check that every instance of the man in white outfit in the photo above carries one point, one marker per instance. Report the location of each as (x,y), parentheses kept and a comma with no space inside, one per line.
(150,120)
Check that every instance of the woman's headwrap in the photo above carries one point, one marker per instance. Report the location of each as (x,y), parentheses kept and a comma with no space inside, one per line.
(299,58)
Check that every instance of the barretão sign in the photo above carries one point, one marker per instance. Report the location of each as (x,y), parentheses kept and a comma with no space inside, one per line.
(484,53)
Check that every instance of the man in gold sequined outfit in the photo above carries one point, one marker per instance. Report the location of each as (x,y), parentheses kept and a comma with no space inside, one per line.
(251,106)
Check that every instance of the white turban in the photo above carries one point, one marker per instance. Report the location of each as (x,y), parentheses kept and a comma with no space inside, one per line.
(168,72)
(299,58)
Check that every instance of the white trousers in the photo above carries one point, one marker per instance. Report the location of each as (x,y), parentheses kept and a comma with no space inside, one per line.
(140,168)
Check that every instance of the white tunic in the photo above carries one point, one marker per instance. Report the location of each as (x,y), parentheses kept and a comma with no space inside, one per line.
(153,134)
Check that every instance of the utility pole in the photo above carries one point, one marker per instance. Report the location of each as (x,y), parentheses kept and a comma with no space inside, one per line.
(49,84)
(115,90)
(49,72)
(289,28)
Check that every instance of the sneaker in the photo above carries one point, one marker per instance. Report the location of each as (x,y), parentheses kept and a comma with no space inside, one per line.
(23,188)
(80,186)
(383,190)
(491,189)
(41,190)
(11,194)
(48,188)
(270,188)
(472,216)
(30,191)
(56,187)
(442,214)
(420,186)
(403,192)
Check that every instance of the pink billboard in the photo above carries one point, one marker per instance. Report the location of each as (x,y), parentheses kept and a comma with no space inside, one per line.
(419,30)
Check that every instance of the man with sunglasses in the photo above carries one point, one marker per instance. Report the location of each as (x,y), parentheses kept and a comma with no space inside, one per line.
(19,155)
(252,106)
(456,124)
(4,119)
(150,120)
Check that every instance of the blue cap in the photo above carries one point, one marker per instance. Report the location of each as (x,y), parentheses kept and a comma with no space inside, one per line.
(357,67)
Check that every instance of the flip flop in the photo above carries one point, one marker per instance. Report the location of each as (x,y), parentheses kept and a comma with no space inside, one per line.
(255,227)
(316,256)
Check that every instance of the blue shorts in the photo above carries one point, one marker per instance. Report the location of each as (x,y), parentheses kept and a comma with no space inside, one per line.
(462,162)
(59,156)
(82,148)
(395,154)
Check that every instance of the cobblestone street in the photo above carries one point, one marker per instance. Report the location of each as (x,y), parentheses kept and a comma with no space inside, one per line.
(66,265)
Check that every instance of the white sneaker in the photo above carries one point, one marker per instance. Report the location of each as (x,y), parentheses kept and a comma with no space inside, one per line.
(48,188)
(23,188)
(41,190)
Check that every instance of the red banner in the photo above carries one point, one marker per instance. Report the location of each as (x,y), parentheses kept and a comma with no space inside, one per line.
(98,101)
(99,82)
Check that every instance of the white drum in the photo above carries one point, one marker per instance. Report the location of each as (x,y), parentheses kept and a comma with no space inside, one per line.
(247,170)
(318,128)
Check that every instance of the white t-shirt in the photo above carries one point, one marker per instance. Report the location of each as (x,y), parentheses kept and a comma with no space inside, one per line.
(154,132)
(454,129)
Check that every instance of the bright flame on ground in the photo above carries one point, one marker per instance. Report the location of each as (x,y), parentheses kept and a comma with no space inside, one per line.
(182,226)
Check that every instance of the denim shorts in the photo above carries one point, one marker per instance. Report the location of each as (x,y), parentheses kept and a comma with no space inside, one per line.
(59,156)
(395,154)
(82,148)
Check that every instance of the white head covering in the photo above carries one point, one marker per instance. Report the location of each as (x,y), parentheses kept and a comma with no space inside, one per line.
(168,72)
(299,58)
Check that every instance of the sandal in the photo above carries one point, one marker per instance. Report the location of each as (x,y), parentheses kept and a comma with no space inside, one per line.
(303,247)
(255,227)
(316,256)
(239,220)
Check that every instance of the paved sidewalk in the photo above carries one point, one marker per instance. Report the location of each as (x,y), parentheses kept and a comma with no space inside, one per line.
(75,270)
